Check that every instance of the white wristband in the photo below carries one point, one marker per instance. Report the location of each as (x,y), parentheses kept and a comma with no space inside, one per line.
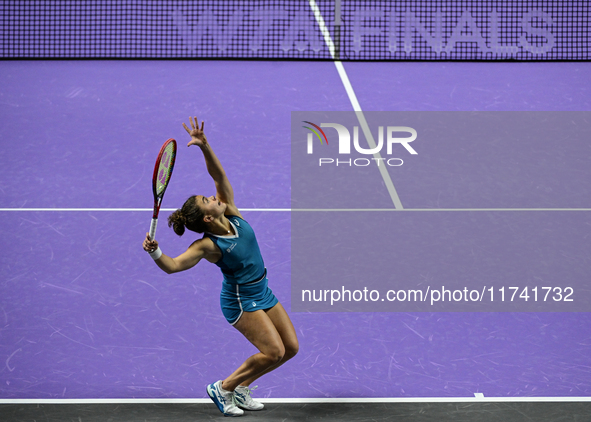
(156,254)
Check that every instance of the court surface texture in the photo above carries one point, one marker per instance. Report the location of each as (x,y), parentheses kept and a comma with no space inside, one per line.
(85,315)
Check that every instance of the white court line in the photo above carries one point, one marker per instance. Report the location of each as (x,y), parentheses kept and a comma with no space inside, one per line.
(436,209)
(127,209)
(297,209)
(310,400)
(355,103)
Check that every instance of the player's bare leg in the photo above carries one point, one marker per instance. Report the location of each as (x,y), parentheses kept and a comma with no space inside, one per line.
(259,329)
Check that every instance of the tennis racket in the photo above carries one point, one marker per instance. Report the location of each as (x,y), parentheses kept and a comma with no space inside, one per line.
(161,177)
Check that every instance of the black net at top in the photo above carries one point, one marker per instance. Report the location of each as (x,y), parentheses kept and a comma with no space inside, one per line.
(297,29)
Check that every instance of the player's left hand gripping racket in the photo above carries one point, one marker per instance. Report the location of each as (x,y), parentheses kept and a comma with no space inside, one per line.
(161,177)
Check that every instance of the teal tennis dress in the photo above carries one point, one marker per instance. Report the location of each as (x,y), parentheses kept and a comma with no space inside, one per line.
(245,286)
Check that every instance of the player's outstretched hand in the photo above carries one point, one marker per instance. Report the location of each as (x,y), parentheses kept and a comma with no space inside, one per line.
(149,245)
(197,135)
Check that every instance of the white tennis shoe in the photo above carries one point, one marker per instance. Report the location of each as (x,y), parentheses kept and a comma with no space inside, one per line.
(223,399)
(244,400)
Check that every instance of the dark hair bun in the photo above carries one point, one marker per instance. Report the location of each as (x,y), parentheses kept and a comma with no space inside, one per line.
(177,221)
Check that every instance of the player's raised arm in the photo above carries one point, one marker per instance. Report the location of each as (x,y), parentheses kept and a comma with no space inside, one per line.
(223,187)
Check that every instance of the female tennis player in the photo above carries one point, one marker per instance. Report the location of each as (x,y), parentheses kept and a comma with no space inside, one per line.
(247,302)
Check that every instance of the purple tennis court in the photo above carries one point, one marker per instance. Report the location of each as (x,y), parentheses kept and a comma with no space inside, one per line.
(85,313)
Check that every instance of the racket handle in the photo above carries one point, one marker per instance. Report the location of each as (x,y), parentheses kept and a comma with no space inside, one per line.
(153,228)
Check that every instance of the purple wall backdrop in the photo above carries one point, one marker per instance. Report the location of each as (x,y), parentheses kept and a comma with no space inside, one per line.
(368,30)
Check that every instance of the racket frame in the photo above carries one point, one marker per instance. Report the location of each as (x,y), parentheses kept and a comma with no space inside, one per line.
(158,196)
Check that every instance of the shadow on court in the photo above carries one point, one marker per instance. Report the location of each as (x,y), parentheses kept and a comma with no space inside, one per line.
(326,412)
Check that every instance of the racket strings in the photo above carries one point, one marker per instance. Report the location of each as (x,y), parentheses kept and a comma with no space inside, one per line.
(165,168)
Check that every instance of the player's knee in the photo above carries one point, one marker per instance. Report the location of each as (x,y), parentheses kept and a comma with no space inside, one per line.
(291,350)
(275,354)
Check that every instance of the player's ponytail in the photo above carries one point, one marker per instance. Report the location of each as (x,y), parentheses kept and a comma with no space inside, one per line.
(189,216)
(176,220)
